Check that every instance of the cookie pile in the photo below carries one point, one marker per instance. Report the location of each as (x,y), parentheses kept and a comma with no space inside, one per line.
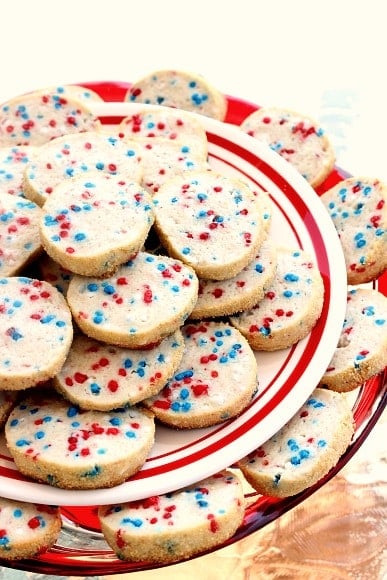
(155,279)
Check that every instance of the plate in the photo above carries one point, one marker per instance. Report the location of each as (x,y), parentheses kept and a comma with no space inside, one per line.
(286,378)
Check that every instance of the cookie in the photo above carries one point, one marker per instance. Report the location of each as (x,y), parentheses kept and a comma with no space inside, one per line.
(27,529)
(216,378)
(36,332)
(77,91)
(145,300)
(164,159)
(92,224)
(177,525)
(243,291)
(210,221)
(358,208)
(291,306)
(20,242)
(53,441)
(362,347)
(153,123)
(13,161)
(304,449)
(103,377)
(71,156)
(179,89)
(53,273)
(36,118)
(296,137)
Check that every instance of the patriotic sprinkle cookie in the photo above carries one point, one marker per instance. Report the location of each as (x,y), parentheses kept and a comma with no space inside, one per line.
(36,332)
(8,400)
(55,442)
(146,299)
(291,306)
(75,155)
(77,91)
(296,137)
(153,123)
(181,90)
(216,378)
(52,272)
(13,161)
(39,117)
(103,377)
(243,291)
(362,348)
(177,525)
(210,221)
(304,450)
(162,160)
(20,240)
(92,224)
(27,529)
(358,208)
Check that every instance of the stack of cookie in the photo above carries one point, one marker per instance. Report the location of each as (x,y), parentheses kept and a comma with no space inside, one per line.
(109,336)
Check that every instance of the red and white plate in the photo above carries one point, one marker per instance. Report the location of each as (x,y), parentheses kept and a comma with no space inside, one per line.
(286,378)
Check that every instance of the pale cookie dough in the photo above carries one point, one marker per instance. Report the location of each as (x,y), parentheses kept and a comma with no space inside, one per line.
(27,529)
(35,332)
(212,222)
(20,242)
(103,377)
(55,442)
(154,123)
(358,208)
(13,161)
(179,89)
(362,348)
(75,155)
(146,299)
(38,117)
(216,378)
(92,224)
(291,306)
(304,450)
(296,137)
(243,291)
(177,525)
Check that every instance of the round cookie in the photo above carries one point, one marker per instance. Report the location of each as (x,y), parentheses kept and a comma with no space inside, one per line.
(291,306)
(362,347)
(103,377)
(52,272)
(179,89)
(74,155)
(27,529)
(146,299)
(92,224)
(153,123)
(358,208)
(210,221)
(164,159)
(296,137)
(38,117)
(20,240)
(36,332)
(304,450)
(243,291)
(13,161)
(216,378)
(78,91)
(55,442)
(177,525)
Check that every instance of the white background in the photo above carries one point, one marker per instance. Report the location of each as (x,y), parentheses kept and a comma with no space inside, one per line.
(327,58)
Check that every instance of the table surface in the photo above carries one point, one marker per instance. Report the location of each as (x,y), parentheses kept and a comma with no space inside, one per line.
(326,59)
